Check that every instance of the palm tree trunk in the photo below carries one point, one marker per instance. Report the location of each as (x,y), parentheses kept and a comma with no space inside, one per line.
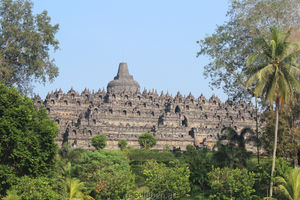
(295,142)
(293,128)
(256,129)
(274,148)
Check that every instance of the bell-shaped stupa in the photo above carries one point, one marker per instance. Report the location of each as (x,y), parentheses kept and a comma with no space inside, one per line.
(123,81)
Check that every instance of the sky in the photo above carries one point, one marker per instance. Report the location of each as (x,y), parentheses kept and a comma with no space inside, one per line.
(157,39)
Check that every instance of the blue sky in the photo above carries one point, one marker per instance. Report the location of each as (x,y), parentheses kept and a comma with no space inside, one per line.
(156,38)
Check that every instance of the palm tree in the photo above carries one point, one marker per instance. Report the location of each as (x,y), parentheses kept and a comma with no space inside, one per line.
(227,155)
(74,188)
(230,134)
(272,72)
(234,152)
(290,185)
(11,195)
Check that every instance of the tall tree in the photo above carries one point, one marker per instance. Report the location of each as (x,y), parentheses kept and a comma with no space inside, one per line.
(272,72)
(27,136)
(25,42)
(231,43)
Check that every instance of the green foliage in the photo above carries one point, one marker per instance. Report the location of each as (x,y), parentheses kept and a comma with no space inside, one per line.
(273,73)
(227,156)
(282,166)
(167,147)
(25,43)
(177,152)
(7,178)
(190,148)
(262,174)
(35,189)
(166,181)
(75,189)
(200,164)
(233,153)
(138,157)
(147,140)
(27,135)
(99,141)
(107,173)
(141,156)
(289,185)
(284,145)
(288,134)
(273,70)
(122,144)
(12,195)
(231,43)
(236,184)
(69,154)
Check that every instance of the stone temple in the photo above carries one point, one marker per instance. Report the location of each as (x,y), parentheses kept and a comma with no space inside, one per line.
(123,112)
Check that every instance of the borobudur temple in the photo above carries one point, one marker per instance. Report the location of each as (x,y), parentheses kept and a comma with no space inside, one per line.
(123,112)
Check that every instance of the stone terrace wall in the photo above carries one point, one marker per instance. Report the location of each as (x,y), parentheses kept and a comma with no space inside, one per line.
(174,121)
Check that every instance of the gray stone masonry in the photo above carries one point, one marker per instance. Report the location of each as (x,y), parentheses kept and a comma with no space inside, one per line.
(123,112)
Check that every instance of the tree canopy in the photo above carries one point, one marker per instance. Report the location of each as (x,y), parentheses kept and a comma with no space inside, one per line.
(25,42)
(231,43)
(99,141)
(229,183)
(27,143)
(167,182)
(106,173)
(147,140)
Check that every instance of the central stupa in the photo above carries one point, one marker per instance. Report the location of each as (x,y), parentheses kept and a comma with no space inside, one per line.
(123,81)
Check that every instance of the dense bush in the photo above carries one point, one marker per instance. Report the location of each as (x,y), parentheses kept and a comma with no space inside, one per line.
(147,140)
(39,188)
(7,178)
(107,173)
(141,156)
(138,157)
(99,141)
(27,145)
(167,182)
(122,144)
(262,174)
(229,184)
(200,164)
(27,135)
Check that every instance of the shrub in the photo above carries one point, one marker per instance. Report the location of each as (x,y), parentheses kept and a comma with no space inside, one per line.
(99,141)
(122,144)
(106,173)
(147,140)
(200,164)
(36,189)
(167,182)
(7,178)
(262,174)
(229,183)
